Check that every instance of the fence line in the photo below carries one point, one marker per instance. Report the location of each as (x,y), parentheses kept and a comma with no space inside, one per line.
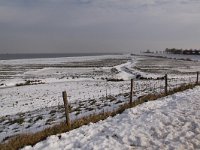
(87,98)
(139,88)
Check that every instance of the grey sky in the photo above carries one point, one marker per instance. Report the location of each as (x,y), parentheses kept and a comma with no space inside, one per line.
(98,25)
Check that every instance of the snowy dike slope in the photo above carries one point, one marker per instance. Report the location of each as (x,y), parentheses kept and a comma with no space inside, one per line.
(172,122)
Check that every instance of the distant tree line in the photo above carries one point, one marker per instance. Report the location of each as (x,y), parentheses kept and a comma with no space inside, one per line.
(182,51)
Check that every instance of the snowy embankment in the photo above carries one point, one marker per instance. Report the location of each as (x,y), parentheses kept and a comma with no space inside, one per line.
(172,122)
(124,72)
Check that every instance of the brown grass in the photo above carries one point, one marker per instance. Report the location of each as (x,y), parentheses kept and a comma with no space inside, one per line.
(32,138)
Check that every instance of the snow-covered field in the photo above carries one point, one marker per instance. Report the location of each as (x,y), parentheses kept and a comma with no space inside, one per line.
(172,122)
(36,103)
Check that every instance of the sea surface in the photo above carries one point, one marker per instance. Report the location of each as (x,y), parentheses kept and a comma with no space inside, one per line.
(49,55)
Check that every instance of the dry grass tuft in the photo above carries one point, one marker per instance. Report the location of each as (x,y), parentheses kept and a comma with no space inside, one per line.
(22,140)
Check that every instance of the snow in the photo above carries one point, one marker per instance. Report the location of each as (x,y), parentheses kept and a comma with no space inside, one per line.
(28,98)
(85,83)
(57,60)
(31,97)
(123,73)
(172,122)
(86,92)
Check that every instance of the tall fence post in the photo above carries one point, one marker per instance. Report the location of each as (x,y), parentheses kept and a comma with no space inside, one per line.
(197,78)
(66,105)
(106,91)
(166,85)
(131,93)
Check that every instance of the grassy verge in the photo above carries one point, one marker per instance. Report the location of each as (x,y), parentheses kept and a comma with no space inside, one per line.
(22,140)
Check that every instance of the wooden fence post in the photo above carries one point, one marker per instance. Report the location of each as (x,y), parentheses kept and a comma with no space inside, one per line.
(166,85)
(131,93)
(197,78)
(66,105)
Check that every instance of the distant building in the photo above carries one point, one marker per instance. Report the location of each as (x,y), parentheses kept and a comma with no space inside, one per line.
(181,51)
(148,51)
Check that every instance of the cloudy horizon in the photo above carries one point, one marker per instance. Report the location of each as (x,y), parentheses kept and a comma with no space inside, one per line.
(85,26)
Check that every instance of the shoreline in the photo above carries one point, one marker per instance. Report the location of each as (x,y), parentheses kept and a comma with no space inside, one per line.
(49,55)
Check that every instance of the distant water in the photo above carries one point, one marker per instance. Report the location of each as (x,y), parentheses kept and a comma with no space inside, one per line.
(50,55)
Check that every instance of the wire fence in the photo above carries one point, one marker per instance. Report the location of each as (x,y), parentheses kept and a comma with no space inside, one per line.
(80,92)
(113,94)
(84,98)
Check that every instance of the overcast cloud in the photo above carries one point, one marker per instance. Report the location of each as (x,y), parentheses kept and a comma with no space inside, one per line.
(66,26)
